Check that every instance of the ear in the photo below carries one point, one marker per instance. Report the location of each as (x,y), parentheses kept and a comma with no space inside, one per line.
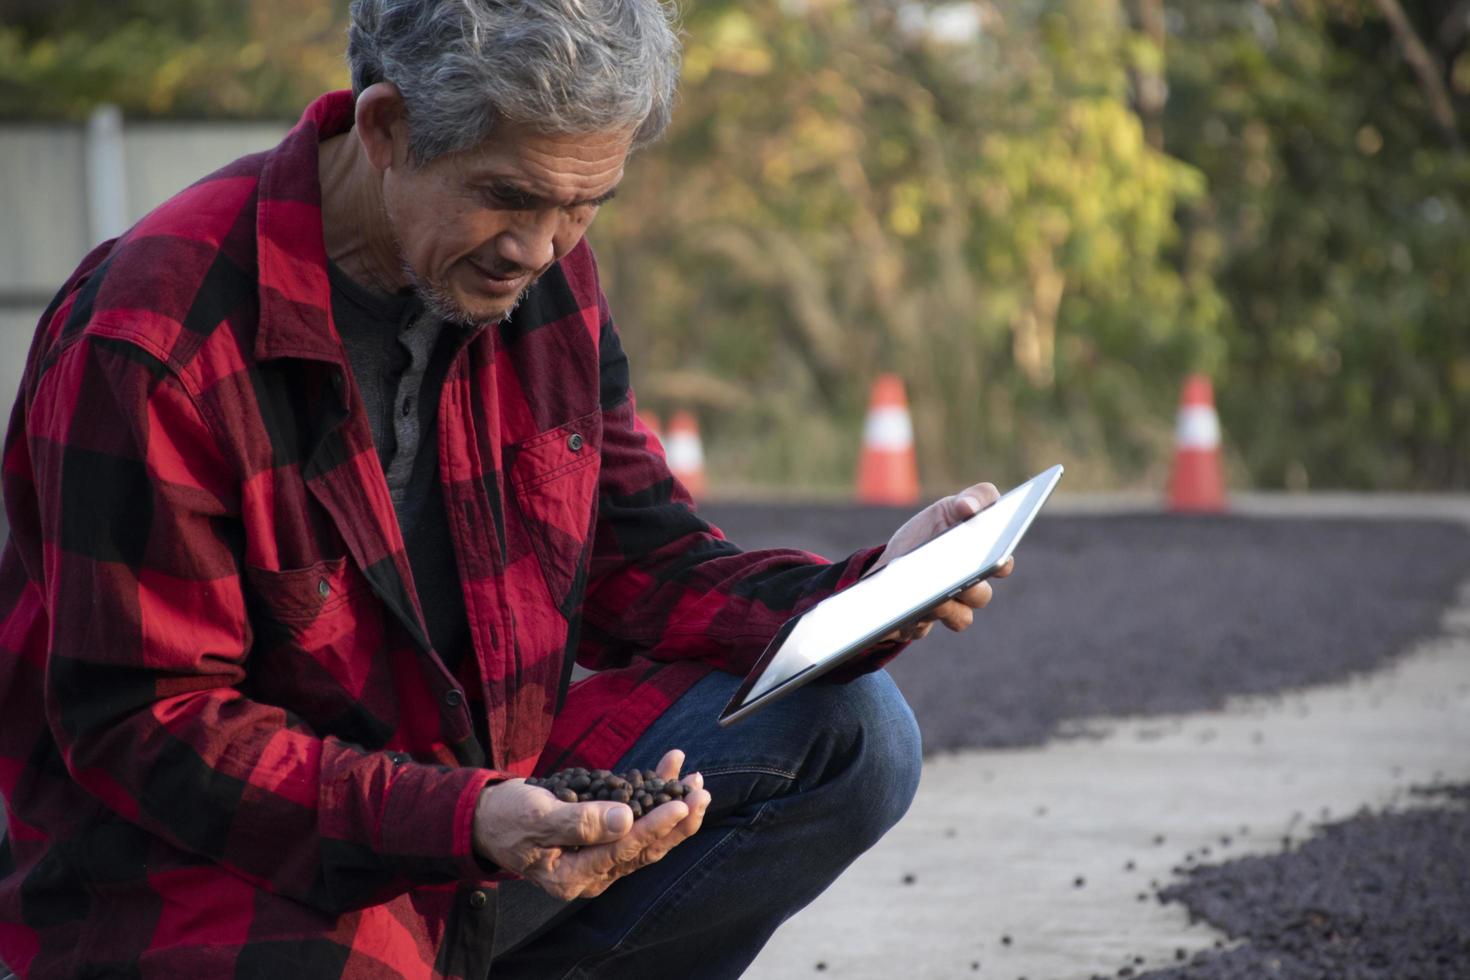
(382,126)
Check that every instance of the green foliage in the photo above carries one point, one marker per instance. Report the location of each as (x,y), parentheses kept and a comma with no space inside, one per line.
(168,57)
(840,196)
(1344,218)
(991,215)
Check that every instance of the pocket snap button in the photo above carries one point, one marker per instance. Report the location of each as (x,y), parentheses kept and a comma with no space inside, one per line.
(322,588)
(478,900)
(575,442)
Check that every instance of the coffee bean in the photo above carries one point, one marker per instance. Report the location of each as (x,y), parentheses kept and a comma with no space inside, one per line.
(640,789)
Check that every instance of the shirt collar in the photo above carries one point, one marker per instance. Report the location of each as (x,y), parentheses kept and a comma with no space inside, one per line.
(295,293)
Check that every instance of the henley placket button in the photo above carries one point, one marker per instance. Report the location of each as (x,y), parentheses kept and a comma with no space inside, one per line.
(478,900)
(453,699)
(574,442)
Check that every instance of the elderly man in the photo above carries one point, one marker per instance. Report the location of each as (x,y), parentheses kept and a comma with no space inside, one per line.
(321,478)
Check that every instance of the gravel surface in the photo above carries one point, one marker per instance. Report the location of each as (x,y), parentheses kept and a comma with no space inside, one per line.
(1140,614)
(1380,896)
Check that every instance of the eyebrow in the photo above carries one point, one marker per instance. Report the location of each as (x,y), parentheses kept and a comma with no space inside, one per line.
(532,199)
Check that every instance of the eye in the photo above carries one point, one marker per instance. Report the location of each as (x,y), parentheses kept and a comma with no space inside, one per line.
(507,198)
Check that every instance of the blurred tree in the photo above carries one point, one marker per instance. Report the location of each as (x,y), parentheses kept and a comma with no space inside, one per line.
(59,58)
(1039,212)
(1342,205)
(847,191)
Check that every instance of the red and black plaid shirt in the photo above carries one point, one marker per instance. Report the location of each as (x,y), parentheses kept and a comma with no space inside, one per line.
(228,747)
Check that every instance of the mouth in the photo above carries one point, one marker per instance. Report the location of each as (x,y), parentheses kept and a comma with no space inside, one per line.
(499,284)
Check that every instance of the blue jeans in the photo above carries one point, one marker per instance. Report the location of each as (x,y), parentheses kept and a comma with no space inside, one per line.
(798,790)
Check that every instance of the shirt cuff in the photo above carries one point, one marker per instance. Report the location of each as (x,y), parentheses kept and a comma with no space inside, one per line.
(428,822)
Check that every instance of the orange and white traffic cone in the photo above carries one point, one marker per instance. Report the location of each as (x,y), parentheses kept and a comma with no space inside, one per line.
(887,471)
(1197,483)
(686,453)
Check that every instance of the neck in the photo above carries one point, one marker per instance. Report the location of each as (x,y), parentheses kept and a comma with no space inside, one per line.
(355,225)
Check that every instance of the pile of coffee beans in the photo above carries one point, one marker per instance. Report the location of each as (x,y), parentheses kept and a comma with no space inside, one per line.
(641,789)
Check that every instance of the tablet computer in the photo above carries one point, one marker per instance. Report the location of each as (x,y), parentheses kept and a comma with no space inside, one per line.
(900,593)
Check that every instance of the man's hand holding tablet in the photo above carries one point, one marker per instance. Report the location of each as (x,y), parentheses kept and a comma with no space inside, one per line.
(958,613)
(935,568)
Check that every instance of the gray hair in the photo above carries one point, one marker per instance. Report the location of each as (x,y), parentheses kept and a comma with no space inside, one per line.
(562,66)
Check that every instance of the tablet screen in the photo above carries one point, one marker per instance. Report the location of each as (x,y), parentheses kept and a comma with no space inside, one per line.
(907,587)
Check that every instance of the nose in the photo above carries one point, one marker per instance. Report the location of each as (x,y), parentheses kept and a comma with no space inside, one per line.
(530,242)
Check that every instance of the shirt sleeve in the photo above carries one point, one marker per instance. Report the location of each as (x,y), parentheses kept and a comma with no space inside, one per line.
(666,584)
(148,656)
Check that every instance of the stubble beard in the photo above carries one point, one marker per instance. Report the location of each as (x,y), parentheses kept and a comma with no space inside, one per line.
(438,300)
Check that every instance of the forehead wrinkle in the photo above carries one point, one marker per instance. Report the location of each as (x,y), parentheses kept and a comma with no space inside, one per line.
(551,152)
(534,181)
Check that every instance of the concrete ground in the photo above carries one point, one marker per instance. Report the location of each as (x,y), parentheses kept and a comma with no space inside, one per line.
(1044,861)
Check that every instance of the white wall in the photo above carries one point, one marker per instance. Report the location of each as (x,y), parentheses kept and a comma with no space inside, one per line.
(44,212)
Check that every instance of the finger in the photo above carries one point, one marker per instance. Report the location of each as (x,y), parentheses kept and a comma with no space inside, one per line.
(651,828)
(695,804)
(698,802)
(985,493)
(955,616)
(1005,568)
(961,507)
(695,780)
(590,863)
(977,596)
(669,766)
(585,824)
(915,632)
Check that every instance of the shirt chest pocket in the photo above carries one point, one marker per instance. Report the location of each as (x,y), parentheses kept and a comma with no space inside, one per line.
(319,637)
(554,475)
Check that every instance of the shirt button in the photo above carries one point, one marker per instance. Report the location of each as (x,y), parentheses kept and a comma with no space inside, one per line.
(453,698)
(478,900)
(574,442)
(323,589)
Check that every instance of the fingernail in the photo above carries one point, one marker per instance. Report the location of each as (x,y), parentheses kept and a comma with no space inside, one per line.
(969,505)
(618,819)
(698,780)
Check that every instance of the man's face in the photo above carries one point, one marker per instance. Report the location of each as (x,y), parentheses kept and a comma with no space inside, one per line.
(476,228)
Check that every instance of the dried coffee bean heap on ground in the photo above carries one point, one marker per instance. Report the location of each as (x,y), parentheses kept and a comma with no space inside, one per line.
(1377,896)
(641,789)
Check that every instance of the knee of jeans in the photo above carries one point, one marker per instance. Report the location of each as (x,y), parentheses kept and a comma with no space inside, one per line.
(888,764)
